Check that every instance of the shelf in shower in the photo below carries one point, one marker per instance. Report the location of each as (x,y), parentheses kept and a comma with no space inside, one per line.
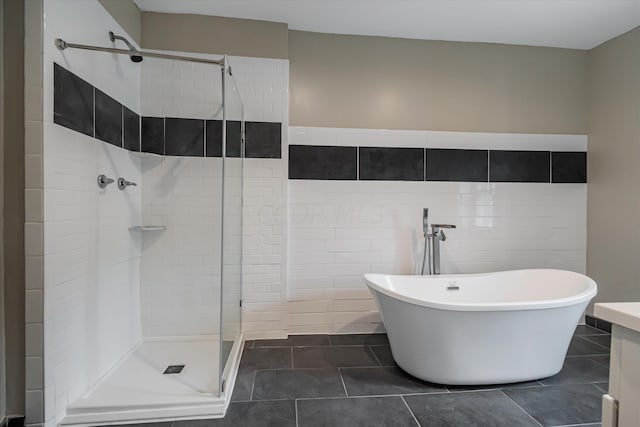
(148,228)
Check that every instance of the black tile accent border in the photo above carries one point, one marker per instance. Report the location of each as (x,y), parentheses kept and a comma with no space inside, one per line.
(263,140)
(72,101)
(213,141)
(152,135)
(183,137)
(519,166)
(457,165)
(131,130)
(81,107)
(391,164)
(108,120)
(323,162)
(234,138)
(567,167)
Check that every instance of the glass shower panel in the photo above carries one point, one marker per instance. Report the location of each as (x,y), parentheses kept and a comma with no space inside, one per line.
(231,219)
(182,193)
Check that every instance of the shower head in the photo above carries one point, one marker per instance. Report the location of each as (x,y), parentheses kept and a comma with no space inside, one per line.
(134,58)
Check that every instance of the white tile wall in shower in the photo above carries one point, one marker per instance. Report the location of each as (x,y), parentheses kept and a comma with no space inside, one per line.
(181,265)
(168,90)
(91,261)
(193,90)
(340,230)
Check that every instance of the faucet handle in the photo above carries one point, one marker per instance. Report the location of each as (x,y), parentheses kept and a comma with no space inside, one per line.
(437,230)
(103,181)
(123,183)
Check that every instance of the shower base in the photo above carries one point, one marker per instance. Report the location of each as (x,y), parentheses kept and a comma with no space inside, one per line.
(138,389)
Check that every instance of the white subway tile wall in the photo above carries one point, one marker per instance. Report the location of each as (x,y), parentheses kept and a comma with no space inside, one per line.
(168,90)
(309,135)
(91,261)
(180,276)
(192,90)
(340,230)
(264,249)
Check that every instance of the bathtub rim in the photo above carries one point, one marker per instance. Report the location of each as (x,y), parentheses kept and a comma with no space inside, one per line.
(586,295)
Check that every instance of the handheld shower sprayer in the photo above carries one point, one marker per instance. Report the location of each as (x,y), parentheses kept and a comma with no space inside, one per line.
(425,221)
(426,252)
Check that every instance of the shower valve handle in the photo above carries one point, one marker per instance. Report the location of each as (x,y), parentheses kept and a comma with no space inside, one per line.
(103,181)
(123,183)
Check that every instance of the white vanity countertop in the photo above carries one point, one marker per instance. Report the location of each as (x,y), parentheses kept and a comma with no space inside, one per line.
(625,314)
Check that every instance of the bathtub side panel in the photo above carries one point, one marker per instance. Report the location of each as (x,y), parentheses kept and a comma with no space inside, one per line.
(478,347)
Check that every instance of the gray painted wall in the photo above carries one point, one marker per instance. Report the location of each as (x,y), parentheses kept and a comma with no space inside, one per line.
(13,202)
(390,83)
(614,149)
(214,34)
(3,386)
(128,16)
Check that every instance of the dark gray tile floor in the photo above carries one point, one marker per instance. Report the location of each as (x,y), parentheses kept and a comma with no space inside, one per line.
(352,380)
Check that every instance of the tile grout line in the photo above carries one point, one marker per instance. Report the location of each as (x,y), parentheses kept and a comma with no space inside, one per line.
(351,397)
(295,404)
(410,411)
(321,367)
(253,384)
(579,425)
(588,355)
(374,355)
(586,338)
(521,408)
(343,384)
(607,365)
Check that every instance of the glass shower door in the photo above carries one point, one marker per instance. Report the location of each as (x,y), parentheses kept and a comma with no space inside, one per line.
(231,219)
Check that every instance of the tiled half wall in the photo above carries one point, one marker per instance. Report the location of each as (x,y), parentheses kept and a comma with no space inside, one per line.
(355,200)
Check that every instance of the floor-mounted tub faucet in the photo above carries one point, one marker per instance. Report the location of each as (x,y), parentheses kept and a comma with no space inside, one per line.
(438,236)
(431,252)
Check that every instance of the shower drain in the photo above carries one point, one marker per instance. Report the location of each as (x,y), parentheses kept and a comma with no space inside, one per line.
(173,369)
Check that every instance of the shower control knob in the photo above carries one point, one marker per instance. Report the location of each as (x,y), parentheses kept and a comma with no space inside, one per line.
(123,183)
(103,181)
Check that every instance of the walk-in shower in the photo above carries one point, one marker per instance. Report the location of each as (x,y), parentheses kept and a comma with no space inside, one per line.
(175,239)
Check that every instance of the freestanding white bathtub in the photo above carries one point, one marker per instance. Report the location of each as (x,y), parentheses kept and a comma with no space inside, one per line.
(481,328)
